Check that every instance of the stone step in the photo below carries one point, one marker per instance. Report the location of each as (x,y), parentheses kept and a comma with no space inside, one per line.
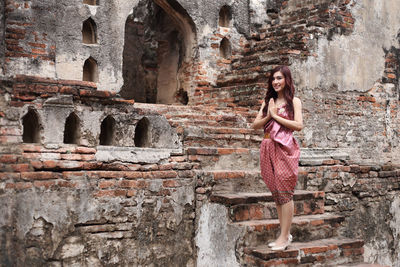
(256,57)
(201,131)
(260,206)
(241,180)
(242,77)
(304,228)
(237,95)
(231,141)
(221,137)
(226,181)
(219,158)
(324,252)
(186,122)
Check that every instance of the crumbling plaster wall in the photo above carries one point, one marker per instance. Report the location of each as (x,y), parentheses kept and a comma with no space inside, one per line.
(62,25)
(72,226)
(349,65)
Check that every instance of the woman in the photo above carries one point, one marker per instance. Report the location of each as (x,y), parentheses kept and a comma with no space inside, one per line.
(280,114)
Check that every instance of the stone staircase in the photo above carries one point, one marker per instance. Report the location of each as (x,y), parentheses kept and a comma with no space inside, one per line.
(226,151)
(316,241)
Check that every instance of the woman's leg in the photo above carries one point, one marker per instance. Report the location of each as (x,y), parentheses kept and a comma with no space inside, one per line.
(279,210)
(285,221)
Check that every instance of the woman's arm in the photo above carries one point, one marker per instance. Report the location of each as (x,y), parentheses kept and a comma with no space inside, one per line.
(260,121)
(297,123)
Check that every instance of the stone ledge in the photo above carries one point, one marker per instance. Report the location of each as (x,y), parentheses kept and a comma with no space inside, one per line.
(320,156)
(134,154)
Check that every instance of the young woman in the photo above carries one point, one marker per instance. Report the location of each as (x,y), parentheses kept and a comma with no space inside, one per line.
(280,114)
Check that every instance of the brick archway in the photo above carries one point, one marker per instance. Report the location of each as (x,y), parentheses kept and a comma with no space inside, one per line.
(158,53)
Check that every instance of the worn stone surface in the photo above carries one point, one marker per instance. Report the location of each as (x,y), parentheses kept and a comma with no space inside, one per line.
(215,239)
(139,193)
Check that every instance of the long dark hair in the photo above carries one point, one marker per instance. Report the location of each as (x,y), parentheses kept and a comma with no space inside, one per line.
(288,90)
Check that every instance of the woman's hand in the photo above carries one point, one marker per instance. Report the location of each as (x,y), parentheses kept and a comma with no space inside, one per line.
(261,120)
(272,109)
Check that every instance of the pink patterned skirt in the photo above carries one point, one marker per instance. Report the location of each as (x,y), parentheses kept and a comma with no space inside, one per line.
(279,161)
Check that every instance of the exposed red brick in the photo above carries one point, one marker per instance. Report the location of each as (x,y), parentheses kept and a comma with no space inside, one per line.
(23,167)
(39,175)
(9,175)
(16,30)
(133,184)
(19,185)
(228,175)
(93,93)
(242,215)
(68,90)
(171,183)
(106,184)
(7,158)
(131,193)
(163,174)
(71,156)
(67,184)
(10,139)
(50,164)
(46,184)
(73,174)
(37,45)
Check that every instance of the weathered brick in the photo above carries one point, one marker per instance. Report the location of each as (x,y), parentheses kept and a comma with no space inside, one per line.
(171,183)
(46,184)
(39,175)
(8,158)
(106,184)
(22,167)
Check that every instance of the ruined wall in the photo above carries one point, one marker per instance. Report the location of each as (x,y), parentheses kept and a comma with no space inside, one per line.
(346,104)
(88,204)
(121,204)
(355,77)
(368,195)
(32,44)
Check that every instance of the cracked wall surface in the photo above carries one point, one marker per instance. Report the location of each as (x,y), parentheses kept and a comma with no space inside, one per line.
(120,204)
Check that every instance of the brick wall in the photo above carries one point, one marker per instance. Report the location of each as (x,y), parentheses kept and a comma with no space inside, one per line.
(25,40)
(91,211)
(90,204)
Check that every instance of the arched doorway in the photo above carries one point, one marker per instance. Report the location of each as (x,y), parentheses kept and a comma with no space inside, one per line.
(107,131)
(71,129)
(31,127)
(158,53)
(142,133)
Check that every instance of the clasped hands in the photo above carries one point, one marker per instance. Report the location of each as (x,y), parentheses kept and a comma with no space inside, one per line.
(272,108)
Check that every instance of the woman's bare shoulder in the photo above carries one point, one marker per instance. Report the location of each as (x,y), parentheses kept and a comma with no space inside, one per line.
(296,100)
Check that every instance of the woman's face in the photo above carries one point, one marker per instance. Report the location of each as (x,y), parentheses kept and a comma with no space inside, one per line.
(278,81)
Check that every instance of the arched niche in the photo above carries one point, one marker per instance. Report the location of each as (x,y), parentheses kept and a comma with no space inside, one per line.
(89,32)
(225,16)
(91,2)
(31,127)
(142,133)
(90,70)
(107,131)
(225,49)
(72,129)
(158,56)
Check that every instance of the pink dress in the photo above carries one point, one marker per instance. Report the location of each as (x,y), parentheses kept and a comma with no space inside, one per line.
(279,159)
